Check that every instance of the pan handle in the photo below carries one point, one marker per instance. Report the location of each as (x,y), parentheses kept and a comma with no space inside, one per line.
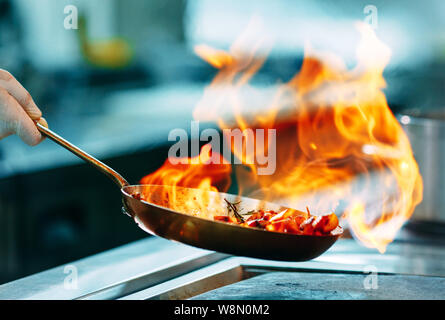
(112,174)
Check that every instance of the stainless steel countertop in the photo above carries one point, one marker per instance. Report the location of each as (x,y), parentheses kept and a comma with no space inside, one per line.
(151,266)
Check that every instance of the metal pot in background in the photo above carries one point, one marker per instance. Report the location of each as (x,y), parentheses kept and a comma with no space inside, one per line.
(427,137)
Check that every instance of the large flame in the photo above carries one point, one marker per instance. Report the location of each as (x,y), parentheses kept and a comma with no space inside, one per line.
(338,148)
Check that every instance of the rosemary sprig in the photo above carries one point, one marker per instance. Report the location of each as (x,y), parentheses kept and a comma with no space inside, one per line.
(232,206)
(248,213)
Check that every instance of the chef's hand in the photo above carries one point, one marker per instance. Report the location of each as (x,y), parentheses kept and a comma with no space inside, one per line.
(18,112)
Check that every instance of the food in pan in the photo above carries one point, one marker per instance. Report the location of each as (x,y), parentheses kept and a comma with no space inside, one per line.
(287,221)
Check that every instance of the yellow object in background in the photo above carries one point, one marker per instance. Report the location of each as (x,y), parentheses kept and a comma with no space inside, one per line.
(110,53)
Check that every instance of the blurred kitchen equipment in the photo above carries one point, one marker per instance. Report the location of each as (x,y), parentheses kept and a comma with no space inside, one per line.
(204,233)
(11,46)
(426,133)
(114,52)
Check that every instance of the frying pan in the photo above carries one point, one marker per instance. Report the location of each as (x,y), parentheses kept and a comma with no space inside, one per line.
(206,233)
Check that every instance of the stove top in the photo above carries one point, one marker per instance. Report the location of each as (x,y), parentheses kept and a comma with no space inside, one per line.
(279,285)
(158,269)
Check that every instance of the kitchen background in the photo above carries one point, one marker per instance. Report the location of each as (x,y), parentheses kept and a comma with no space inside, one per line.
(128,75)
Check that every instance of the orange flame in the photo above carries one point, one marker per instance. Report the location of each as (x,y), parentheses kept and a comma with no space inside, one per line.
(339,147)
(202,176)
